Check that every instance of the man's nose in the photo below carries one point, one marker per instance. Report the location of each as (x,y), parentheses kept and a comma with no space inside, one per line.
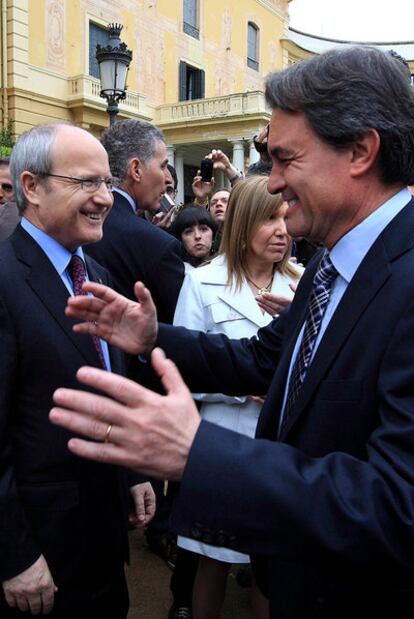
(276,182)
(103,195)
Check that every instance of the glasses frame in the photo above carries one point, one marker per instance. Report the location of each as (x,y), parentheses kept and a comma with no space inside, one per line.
(7,187)
(92,184)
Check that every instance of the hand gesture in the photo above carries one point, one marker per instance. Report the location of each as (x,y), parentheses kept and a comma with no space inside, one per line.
(116,319)
(138,428)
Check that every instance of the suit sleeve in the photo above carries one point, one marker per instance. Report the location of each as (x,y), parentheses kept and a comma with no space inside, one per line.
(18,549)
(214,363)
(166,280)
(274,500)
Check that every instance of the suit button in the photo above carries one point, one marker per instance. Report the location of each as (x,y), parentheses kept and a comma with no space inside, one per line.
(221,538)
(207,536)
(196,531)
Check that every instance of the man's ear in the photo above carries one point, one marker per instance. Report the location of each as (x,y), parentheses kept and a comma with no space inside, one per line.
(135,169)
(30,186)
(364,152)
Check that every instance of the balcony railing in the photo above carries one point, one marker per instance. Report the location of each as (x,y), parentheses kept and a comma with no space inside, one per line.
(250,103)
(87,88)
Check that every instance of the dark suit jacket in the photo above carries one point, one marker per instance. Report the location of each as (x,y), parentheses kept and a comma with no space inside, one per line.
(329,510)
(9,218)
(51,502)
(133,249)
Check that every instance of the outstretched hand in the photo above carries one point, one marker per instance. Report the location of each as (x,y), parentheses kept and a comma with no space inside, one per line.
(121,322)
(137,428)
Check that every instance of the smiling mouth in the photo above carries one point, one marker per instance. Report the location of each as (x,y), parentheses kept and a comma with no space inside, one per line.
(94,216)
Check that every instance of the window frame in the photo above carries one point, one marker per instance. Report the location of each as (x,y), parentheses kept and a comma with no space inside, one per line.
(197,74)
(94,24)
(192,28)
(253,62)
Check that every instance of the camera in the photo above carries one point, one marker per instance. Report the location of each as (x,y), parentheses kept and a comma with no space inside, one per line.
(206,169)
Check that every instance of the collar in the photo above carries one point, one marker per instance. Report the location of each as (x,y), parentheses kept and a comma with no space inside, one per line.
(127,197)
(351,249)
(58,255)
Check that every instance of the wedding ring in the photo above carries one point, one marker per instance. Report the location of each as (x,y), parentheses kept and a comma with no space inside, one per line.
(107,433)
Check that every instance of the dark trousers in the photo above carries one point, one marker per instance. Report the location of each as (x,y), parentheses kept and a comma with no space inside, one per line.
(182,579)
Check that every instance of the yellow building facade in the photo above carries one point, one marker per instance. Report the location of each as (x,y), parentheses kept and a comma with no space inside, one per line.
(197,71)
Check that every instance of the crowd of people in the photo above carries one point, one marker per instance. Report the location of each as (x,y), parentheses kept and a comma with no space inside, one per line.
(274,402)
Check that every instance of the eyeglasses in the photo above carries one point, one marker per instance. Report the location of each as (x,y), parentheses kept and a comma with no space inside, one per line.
(90,185)
(6,187)
(171,191)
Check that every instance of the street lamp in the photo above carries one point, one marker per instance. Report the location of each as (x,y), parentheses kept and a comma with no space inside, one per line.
(113,61)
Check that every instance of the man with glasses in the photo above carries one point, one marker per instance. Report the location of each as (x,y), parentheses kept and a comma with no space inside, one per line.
(63,533)
(132,249)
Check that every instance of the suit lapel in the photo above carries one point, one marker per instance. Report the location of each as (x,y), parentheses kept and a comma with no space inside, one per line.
(244,303)
(49,288)
(369,278)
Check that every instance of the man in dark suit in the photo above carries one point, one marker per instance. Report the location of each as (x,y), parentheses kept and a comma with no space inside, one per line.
(63,533)
(132,249)
(324,497)
(9,218)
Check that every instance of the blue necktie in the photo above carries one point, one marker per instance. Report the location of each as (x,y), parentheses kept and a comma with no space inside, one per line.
(318,302)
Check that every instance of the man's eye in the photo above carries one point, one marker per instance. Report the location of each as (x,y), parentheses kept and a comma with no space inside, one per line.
(88,183)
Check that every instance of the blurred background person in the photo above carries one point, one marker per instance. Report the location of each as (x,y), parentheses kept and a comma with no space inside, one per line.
(195,228)
(6,187)
(221,298)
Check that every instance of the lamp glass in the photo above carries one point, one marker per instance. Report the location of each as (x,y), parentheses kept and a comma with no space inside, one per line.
(113,75)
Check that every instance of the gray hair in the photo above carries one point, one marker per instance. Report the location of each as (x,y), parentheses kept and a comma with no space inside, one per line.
(128,139)
(32,153)
(344,93)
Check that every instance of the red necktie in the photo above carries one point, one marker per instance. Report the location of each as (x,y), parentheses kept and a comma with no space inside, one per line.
(76,270)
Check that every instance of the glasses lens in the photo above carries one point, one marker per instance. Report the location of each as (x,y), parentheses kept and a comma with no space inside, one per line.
(170,190)
(6,187)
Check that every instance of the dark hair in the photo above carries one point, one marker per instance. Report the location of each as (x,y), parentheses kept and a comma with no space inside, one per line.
(192,216)
(344,93)
(260,167)
(127,139)
(173,173)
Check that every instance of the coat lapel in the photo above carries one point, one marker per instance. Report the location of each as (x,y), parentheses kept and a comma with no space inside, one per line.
(47,285)
(370,277)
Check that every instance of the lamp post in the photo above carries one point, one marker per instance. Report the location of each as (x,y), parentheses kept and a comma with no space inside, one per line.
(113,61)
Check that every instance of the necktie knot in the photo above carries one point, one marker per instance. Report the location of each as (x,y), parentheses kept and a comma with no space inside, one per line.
(326,272)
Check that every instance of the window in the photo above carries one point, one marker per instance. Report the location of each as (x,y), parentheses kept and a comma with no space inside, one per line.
(252,46)
(97,34)
(190,25)
(191,82)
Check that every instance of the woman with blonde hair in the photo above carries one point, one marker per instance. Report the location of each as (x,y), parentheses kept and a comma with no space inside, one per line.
(222,297)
